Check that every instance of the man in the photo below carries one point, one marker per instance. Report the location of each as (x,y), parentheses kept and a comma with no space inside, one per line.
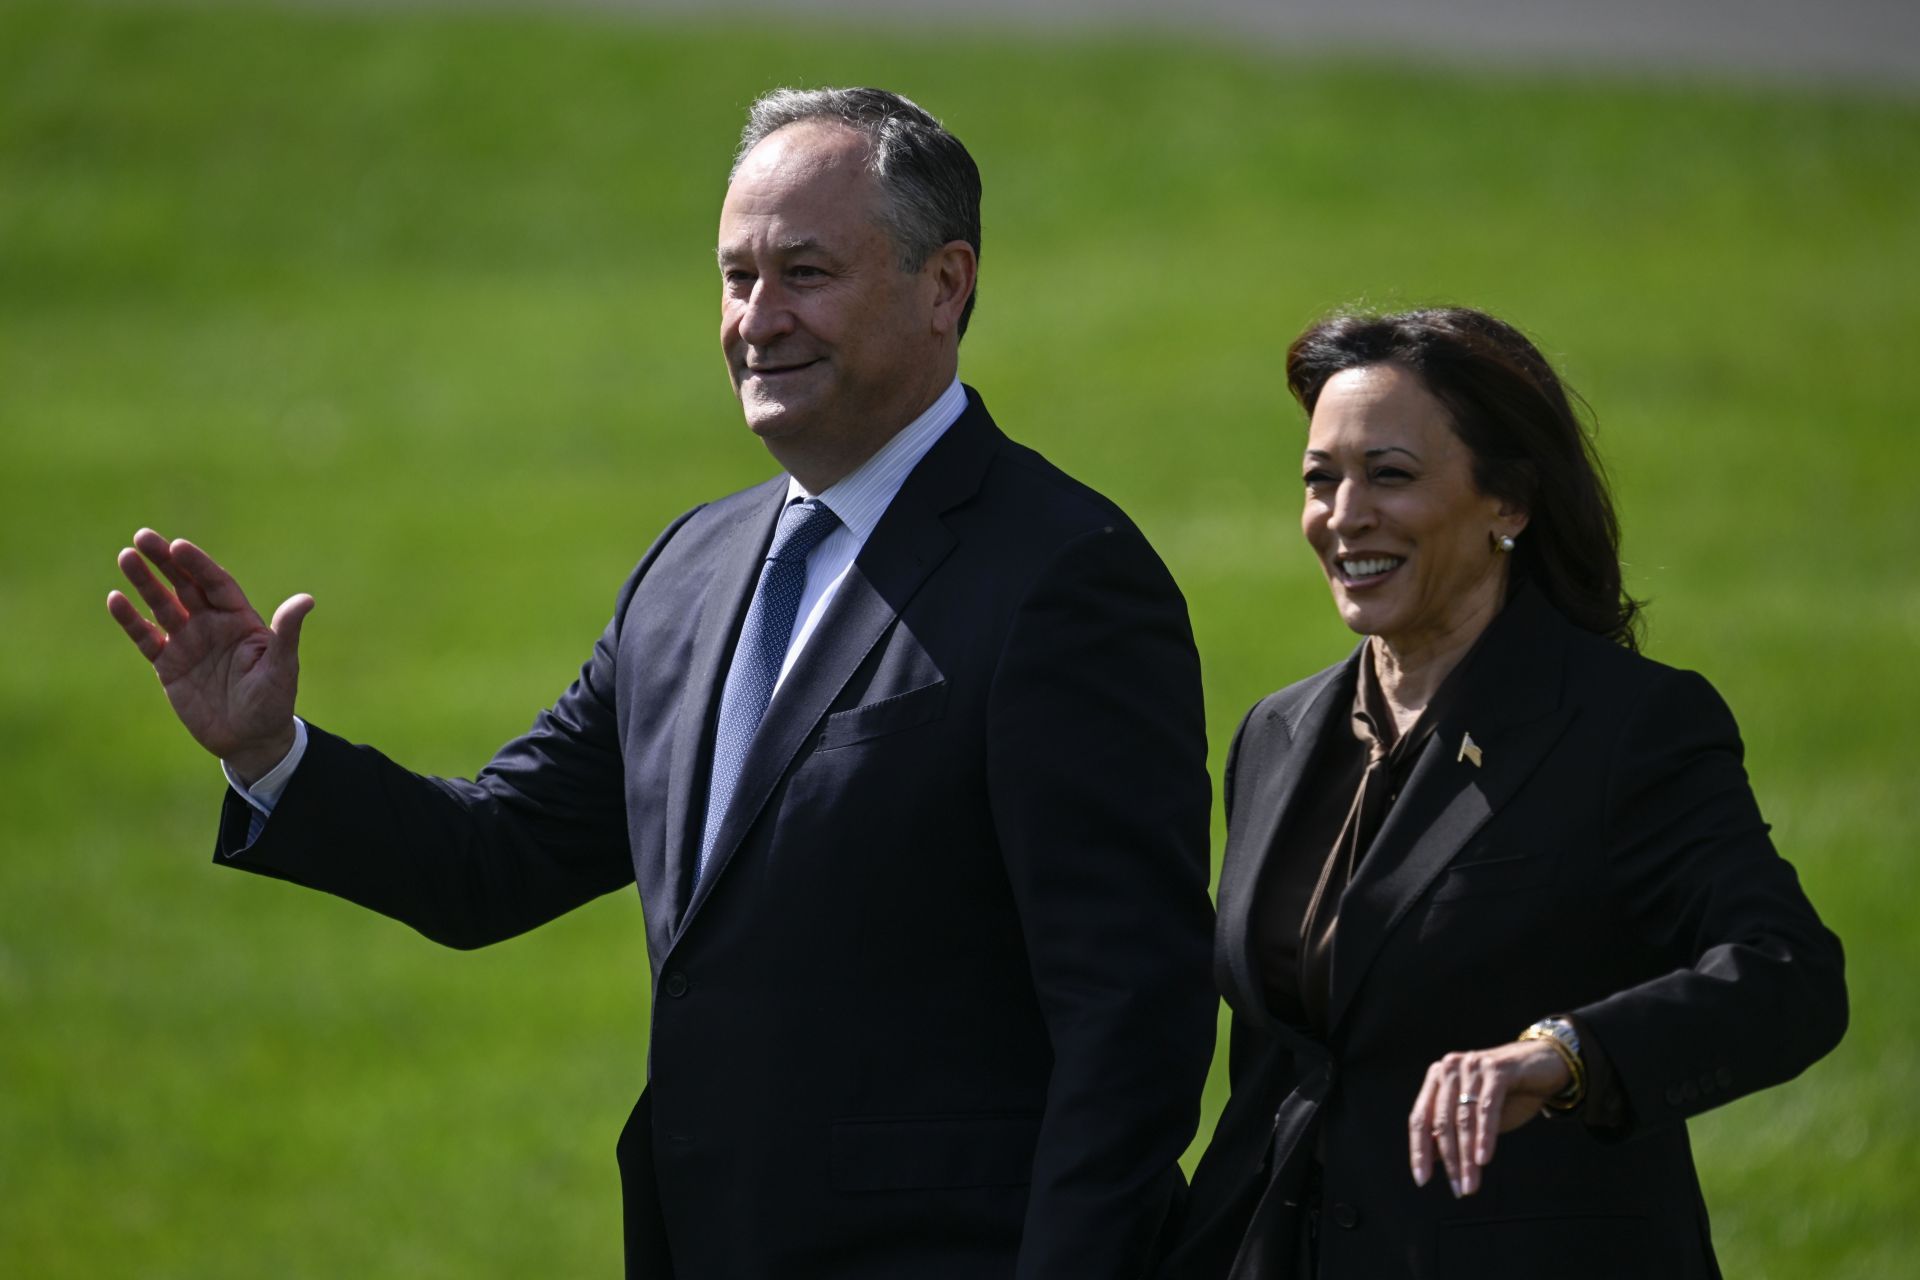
(902,747)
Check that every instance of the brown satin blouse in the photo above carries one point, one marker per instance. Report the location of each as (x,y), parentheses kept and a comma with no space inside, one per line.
(1348,792)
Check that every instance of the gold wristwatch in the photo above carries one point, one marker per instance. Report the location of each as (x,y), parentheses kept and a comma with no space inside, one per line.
(1565,1039)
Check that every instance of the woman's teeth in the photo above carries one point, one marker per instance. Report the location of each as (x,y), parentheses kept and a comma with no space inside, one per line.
(1371,566)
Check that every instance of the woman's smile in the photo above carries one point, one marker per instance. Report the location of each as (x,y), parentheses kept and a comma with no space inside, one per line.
(1363,570)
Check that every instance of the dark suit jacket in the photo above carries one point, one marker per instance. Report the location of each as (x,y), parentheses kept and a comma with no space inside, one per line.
(941,1007)
(1607,860)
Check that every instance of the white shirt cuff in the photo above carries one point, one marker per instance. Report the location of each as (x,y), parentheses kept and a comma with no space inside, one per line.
(265,792)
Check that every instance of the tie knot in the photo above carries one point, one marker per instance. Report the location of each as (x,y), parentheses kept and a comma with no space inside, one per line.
(802,526)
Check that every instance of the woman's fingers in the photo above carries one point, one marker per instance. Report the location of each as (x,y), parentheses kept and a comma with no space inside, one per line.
(1440,1114)
(1431,1123)
(1466,1109)
(1433,1132)
(1420,1151)
(1486,1085)
(1461,1110)
(1491,1103)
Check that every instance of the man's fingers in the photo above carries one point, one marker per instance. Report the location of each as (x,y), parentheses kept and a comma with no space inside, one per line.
(151,545)
(163,604)
(287,620)
(160,552)
(145,636)
(218,586)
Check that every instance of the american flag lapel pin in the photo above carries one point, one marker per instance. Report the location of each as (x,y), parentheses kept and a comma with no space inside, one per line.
(1469,750)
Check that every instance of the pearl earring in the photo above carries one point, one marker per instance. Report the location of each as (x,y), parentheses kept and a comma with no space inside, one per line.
(1505,542)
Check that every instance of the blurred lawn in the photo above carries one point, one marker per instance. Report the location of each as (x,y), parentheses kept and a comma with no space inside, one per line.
(416,312)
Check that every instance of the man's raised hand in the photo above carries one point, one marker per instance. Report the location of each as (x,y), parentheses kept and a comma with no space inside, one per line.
(230,677)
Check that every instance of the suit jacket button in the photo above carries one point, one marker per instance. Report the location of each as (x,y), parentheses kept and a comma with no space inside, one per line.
(1345,1215)
(1673,1095)
(675,984)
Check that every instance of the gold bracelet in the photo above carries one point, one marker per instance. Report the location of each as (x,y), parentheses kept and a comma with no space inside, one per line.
(1576,1091)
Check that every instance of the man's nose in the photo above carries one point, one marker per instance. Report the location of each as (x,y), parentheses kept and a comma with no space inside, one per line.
(766,316)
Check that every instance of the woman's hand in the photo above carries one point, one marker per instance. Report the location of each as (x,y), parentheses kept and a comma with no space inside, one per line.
(1470,1099)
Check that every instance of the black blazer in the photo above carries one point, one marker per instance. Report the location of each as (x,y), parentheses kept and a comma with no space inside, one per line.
(941,1007)
(1605,859)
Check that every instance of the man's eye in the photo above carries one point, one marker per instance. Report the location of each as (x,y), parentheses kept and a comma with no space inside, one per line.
(735,278)
(805,273)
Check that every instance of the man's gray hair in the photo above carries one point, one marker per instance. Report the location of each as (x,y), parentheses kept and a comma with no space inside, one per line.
(931,183)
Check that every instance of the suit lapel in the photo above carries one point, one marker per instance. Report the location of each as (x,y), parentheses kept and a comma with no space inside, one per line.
(1512,705)
(906,546)
(1262,812)
(737,560)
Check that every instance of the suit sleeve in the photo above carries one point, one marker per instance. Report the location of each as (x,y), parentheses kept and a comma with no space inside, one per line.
(1228,778)
(1756,993)
(1100,797)
(1254,1056)
(540,830)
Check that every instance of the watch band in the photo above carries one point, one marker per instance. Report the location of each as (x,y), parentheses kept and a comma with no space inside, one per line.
(1564,1037)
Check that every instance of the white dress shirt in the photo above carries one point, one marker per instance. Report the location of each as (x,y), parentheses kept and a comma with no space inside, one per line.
(858,499)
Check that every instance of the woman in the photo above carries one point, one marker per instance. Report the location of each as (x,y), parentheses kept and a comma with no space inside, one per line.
(1496,897)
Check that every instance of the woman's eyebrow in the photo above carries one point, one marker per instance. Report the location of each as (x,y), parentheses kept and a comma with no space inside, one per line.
(1320,455)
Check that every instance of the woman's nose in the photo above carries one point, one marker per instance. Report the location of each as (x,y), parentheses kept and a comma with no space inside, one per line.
(1351,512)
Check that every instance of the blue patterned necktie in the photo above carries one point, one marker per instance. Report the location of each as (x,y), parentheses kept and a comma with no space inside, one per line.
(759,655)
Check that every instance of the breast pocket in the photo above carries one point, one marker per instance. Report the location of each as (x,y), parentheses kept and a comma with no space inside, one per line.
(1485,869)
(880,719)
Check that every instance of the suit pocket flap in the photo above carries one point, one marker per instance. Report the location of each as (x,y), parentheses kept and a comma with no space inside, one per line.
(889,715)
(929,1152)
(1491,869)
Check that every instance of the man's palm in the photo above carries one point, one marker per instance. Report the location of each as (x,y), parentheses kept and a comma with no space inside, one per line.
(230,677)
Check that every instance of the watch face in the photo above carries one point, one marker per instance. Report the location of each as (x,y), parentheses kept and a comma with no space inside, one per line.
(1563,1031)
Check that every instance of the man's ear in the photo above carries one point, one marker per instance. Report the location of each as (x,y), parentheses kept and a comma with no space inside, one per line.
(953,268)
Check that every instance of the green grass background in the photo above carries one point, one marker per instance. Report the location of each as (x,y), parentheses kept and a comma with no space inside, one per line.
(416,311)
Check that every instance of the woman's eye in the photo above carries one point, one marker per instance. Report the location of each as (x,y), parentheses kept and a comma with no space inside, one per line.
(1392,475)
(1316,479)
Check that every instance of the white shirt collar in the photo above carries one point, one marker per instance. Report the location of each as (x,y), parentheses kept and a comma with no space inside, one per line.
(862,497)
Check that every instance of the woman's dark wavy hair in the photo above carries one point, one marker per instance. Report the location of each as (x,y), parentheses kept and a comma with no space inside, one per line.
(1517,419)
